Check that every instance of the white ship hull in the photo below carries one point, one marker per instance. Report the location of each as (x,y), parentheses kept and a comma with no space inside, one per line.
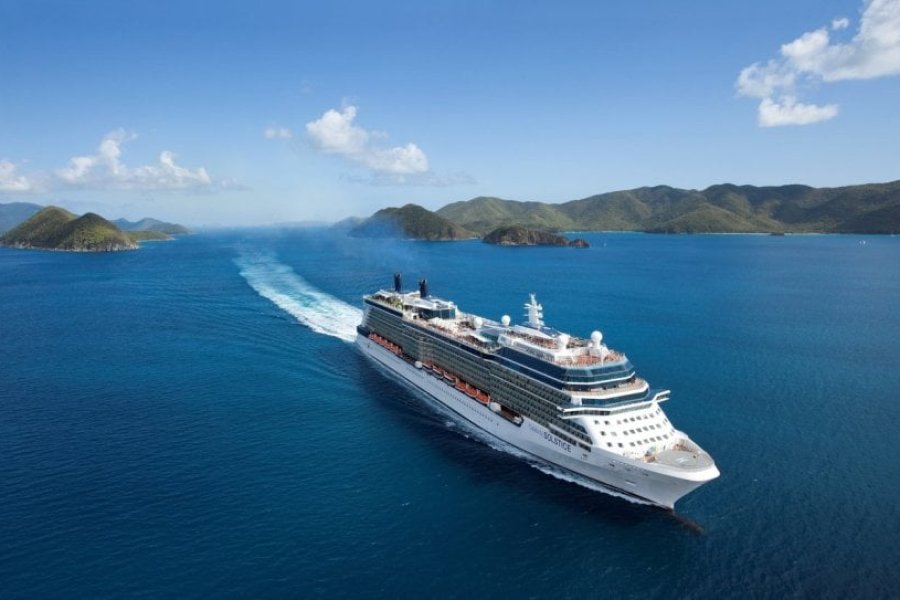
(657,483)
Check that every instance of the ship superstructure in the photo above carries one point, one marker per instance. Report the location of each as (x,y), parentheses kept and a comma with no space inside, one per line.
(570,401)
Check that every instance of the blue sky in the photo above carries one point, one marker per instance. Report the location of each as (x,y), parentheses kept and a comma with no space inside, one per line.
(227,113)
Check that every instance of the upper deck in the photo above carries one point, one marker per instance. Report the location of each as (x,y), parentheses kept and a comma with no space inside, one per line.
(563,361)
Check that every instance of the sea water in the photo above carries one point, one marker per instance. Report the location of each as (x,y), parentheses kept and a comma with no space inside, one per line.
(192,420)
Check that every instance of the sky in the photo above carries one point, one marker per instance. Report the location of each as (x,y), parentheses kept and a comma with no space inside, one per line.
(249,113)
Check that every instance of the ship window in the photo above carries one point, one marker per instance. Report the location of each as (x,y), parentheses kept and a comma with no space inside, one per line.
(609,444)
(631,444)
(620,445)
(602,433)
(596,422)
(606,422)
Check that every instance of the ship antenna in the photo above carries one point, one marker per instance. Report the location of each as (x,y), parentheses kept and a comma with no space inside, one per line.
(535,312)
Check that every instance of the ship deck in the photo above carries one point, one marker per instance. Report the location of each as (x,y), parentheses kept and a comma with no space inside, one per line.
(682,459)
(461,330)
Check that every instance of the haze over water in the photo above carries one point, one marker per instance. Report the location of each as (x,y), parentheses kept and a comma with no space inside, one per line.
(191,420)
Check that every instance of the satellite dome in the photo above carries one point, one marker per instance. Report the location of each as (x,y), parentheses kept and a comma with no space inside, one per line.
(505,320)
(597,337)
(477,322)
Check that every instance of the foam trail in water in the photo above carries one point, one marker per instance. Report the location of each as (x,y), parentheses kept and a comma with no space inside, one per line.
(317,310)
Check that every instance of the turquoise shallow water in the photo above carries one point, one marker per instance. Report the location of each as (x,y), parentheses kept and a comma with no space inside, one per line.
(188,420)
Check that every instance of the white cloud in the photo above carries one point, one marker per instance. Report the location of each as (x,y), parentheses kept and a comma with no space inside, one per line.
(788,111)
(814,57)
(761,81)
(105,170)
(278,133)
(335,133)
(11,181)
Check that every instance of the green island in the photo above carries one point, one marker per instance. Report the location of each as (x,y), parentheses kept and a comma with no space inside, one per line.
(726,208)
(412,222)
(54,228)
(516,235)
(153,225)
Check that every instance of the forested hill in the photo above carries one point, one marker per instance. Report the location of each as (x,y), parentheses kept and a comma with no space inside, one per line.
(54,228)
(725,208)
(411,222)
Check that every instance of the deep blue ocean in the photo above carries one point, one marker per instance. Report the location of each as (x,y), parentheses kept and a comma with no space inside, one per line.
(189,420)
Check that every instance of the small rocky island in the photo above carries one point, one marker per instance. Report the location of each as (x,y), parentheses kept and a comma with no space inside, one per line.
(54,228)
(517,235)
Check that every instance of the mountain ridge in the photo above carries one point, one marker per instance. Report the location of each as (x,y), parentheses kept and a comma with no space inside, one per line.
(720,208)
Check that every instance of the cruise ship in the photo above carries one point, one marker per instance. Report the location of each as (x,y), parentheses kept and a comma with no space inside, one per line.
(568,401)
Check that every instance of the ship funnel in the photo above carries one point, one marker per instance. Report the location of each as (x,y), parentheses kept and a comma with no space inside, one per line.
(398,282)
(423,288)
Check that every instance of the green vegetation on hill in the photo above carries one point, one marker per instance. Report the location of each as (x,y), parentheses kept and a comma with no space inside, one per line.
(871,208)
(410,221)
(41,230)
(516,235)
(148,224)
(484,214)
(54,228)
(13,214)
(150,235)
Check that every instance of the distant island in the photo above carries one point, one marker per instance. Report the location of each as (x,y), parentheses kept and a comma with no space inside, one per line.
(410,222)
(517,235)
(725,208)
(54,228)
(148,224)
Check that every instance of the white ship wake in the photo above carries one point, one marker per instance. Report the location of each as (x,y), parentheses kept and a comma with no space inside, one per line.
(315,309)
